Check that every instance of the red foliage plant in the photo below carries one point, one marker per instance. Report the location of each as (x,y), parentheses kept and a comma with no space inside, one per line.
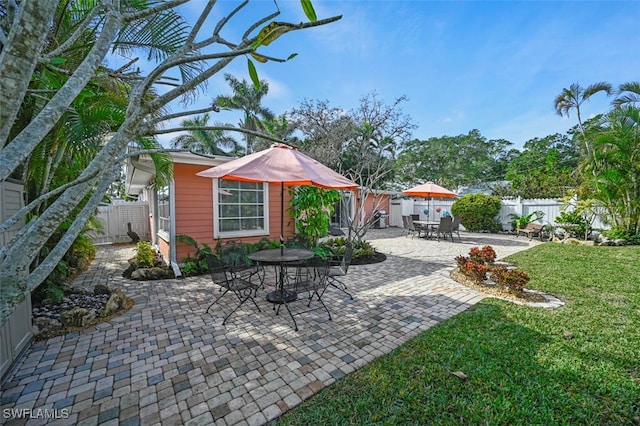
(484,255)
(511,279)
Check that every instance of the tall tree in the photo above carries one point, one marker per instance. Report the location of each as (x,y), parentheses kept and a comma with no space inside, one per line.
(247,98)
(573,98)
(325,130)
(361,144)
(453,160)
(113,24)
(546,168)
(210,142)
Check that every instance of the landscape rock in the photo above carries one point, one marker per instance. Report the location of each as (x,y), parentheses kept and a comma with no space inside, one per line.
(155,273)
(77,317)
(101,289)
(44,325)
(115,303)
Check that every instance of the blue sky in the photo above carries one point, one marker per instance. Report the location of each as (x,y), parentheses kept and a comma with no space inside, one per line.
(492,66)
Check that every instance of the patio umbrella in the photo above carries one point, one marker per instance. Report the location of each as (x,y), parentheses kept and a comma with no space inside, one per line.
(281,164)
(430,190)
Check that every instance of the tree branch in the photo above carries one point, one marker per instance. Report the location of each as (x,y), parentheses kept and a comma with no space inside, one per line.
(75,36)
(18,60)
(183,114)
(22,145)
(134,16)
(35,203)
(223,128)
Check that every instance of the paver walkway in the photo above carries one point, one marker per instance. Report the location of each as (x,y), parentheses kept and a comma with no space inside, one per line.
(168,362)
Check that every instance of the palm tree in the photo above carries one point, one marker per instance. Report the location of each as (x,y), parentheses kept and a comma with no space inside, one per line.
(573,98)
(204,141)
(617,146)
(628,94)
(246,98)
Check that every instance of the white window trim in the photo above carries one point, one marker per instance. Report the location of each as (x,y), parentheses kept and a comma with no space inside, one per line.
(238,234)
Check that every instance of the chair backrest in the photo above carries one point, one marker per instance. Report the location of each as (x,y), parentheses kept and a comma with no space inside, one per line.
(445,224)
(410,225)
(346,259)
(217,269)
(405,222)
(456,224)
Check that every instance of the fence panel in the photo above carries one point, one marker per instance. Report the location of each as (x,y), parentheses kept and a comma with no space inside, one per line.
(550,207)
(115,219)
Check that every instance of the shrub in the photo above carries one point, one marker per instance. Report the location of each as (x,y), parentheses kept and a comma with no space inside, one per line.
(512,280)
(190,268)
(485,255)
(573,218)
(478,212)
(476,271)
(521,222)
(477,264)
(623,234)
(145,255)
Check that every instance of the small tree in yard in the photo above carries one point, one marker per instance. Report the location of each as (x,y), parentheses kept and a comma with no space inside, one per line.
(478,212)
(198,53)
(361,144)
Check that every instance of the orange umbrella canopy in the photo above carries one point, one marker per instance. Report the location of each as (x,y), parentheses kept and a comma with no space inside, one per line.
(280,164)
(430,190)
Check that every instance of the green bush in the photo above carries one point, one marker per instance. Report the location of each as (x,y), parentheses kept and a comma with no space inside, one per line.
(478,212)
(573,218)
(145,255)
(521,221)
(623,234)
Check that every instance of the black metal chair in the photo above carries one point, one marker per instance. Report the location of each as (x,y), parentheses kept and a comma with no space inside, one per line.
(229,281)
(338,268)
(234,255)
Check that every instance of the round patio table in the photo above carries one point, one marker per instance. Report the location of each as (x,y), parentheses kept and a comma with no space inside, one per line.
(281,259)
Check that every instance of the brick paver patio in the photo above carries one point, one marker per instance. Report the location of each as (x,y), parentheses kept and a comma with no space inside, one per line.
(168,362)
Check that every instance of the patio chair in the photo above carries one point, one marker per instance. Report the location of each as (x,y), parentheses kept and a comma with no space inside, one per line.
(405,225)
(313,280)
(338,268)
(455,227)
(444,228)
(242,287)
(414,228)
(234,255)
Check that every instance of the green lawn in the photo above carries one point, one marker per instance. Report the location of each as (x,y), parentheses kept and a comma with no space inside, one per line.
(579,364)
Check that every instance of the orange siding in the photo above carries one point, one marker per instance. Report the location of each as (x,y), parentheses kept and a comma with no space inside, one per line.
(194,210)
(163,246)
(382,202)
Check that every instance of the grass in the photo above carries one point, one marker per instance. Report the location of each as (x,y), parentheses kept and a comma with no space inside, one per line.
(579,364)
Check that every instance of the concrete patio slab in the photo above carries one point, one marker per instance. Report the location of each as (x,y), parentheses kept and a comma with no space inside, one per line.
(167,362)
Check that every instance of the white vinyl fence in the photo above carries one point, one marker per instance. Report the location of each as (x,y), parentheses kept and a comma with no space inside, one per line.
(551,208)
(115,218)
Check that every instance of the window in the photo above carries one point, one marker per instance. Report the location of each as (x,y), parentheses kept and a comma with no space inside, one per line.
(241,208)
(164,212)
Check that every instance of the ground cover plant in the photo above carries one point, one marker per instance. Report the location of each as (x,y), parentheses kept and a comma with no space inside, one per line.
(502,363)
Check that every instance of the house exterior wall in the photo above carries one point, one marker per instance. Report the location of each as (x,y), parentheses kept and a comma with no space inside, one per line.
(194,210)
(375,202)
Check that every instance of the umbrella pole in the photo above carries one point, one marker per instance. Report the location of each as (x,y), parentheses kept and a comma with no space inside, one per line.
(281,218)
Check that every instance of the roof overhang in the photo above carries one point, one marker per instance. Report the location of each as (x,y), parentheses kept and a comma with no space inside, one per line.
(141,172)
